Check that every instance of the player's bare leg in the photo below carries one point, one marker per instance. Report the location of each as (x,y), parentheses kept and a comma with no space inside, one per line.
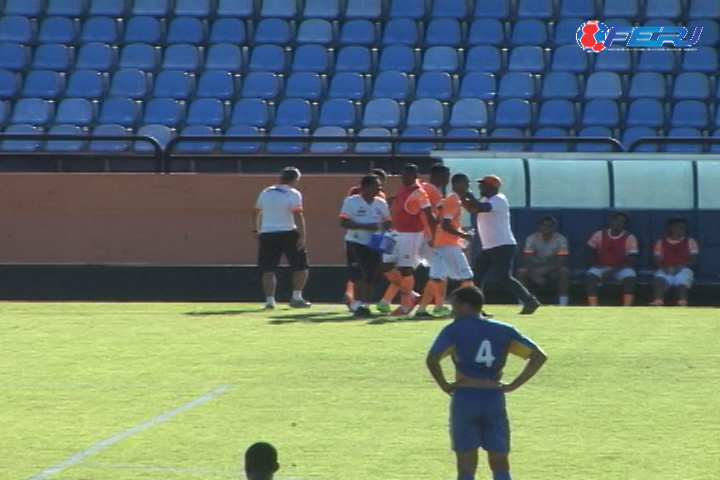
(393,276)
(350,292)
(467,464)
(407,295)
(563,279)
(499,465)
(628,291)
(660,288)
(430,293)
(299,279)
(269,284)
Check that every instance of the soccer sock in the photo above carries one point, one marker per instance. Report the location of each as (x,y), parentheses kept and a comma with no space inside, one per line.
(350,290)
(593,300)
(406,287)
(563,300)
(428,294)
(628,299)
(297,294)
(466,477)
(502,476)
(270,300)
(440,291)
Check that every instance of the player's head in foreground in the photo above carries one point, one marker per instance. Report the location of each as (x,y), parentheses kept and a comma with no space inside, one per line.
(460,184)
(409,175)
(370,186)
(261,461)
(467,301)
(546,226)
(381,174)
(439,175)
(489,185)
(290,176)
(619,222)
(676,228)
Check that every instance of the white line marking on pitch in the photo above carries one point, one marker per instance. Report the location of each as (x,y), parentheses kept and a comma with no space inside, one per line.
(78,457)
(100,385)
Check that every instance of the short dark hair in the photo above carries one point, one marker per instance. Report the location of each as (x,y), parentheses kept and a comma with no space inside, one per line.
(471,295)
(367,180)
(622,214)
(439,169)
(379,172)
(289,174)
(548,218)
(675,220)
(459,177)
(410,168)
(261,458)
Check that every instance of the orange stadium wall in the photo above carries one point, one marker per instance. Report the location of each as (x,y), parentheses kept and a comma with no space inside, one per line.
(152,219)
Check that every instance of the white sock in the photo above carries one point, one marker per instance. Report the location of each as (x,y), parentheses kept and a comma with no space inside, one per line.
(270,300)
(355,305)
(384,302)
(563,300)
(422,309)
(297,294)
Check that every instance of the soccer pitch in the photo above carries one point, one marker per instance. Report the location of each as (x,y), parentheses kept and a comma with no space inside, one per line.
(93,391)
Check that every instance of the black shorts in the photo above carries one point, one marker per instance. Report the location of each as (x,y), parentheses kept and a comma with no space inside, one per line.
(364,262)
(274,245)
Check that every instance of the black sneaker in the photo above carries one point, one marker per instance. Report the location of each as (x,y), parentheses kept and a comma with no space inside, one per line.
(530,307)
(363,312)
(425,314)
(302,303)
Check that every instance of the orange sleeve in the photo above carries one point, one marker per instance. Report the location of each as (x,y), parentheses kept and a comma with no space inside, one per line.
(298,208)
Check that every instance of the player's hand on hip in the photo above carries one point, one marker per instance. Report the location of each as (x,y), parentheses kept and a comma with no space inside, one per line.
(448,388)
(507,387)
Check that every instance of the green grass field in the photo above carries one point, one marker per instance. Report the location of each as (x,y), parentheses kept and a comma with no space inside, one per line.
(627,393)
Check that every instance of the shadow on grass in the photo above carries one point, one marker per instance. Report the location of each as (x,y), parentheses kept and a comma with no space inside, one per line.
(385,320)
(210,313)
(314,318)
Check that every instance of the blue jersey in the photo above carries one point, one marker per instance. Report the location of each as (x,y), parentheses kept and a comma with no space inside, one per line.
(480,347)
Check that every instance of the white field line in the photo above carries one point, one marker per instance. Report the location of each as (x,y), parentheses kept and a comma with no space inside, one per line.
(100,385)
(78,457)
(189,471)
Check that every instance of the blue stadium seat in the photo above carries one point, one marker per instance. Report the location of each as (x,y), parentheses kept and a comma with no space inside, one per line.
(216,84)
(182,57)
(186,30)
(305,85)
(606,85)
(663,9)
(120,111)
(4,111)
(601,113)
(550,147)
(702,9)
(108,8)
(286,147)
(235,8)
(174,84)
(414,9)
(241,147)
(381,112)
(560,85)
(659,22)
(140,56)
(565,29)
(21,145)
(196,146)
(457,9)
(32,111)
(614,61)
(10,83)
(94,56)
(569,58)
(443,31)
(469,112)
(486,31)
(151,8)
(66,8)
(14,56)
(228,30)
(164,111)
(499,9)
(632,134)
(478,85)
(294,112)
(329,147)
(224,56)
(64,145)
(358,32)
(661,61)
(143,30)
(426,112)
(129,83)
(461,133)
(710,31)
(401,31)
(484,59)
(355,59)
(52,56)
(437,85)
(416,148)
(100,29)
(577,9)
(510,146)
(690,113)
(26,8)
(684,148)
(715,148)
(594,132)
(316,31)
(268,58)
(161,133)
(527,59)
(647,85)
(75,111)
(621,9)
(206,111)
(43,84)
(193,8)
(86,84)
(702,59)
(347,85)
(529,32)
(16,29)
(279,9)
(397,57)
(329,9)
(542,9)
(264,85)
(557,113)
(110,146)
(337,112)
(369,9)
(513,113)
(273,31)
(691,86)
(645,112)
(517,85)
(311,58)
(391,84)
(373,147)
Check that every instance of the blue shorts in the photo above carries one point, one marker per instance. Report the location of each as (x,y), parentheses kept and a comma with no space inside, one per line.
(478,419)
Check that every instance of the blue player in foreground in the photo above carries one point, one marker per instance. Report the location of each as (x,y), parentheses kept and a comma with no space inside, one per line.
(479,348)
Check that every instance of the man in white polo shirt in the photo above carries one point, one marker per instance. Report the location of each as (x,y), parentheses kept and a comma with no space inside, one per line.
(498,242)
(279,222)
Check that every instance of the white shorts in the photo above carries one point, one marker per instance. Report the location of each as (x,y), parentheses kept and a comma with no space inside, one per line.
(618,274)
(682,278)
(426,252)
(450,262)
(407,250)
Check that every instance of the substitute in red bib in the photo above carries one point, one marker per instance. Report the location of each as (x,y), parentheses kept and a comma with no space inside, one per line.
(675,255)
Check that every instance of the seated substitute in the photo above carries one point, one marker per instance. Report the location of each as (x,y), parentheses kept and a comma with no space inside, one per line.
(674,255)
(613,254)
(545,259)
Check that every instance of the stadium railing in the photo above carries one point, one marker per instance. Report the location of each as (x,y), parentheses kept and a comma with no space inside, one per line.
(704,142)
